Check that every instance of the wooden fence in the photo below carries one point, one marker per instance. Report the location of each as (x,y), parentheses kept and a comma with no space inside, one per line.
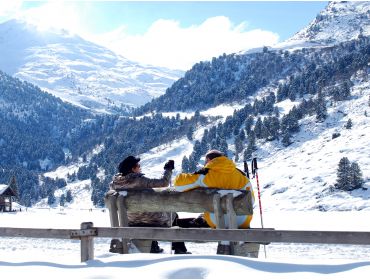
(88,232)
(228,206)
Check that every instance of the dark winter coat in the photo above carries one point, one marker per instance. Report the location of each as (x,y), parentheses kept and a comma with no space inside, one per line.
(139,181)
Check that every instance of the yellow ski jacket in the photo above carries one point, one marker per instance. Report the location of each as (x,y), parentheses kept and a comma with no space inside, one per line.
(221,173)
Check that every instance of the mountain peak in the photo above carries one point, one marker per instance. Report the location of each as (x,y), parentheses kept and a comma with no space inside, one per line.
(78,71)
(338,22)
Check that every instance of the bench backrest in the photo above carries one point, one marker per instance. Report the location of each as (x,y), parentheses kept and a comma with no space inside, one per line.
(195,201)
(167,200)
(223,203)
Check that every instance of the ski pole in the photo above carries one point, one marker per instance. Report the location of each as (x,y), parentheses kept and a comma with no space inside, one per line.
(246,169)
(255,175)
(171,212)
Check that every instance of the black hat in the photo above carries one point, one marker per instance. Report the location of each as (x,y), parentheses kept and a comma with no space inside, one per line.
(125,167)
(211,154)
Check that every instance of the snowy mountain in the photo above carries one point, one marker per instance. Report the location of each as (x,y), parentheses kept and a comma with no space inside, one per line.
(297,174)
(79,71)
(339,22)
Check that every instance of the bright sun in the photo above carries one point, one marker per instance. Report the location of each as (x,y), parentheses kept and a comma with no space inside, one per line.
(57,15)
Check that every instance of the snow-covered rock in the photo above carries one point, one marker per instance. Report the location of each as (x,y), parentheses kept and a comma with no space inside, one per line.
(339,22)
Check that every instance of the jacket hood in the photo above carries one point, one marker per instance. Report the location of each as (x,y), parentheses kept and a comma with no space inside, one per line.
(221,164)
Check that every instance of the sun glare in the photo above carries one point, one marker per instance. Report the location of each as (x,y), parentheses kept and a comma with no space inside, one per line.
(54,15)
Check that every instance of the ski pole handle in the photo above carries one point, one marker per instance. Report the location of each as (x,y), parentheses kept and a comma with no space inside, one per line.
(254,166)
(246,171)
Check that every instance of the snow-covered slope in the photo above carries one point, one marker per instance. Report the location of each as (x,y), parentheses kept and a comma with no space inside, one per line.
(78,71)
(339,22)
(302,176)
(298,177)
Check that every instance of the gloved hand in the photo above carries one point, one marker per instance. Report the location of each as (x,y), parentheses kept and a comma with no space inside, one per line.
(170,165)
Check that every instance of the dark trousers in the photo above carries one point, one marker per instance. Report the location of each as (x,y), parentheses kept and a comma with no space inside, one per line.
(187,223)
(183,223)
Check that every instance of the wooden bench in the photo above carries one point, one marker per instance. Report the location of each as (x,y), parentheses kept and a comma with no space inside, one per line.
(225,204)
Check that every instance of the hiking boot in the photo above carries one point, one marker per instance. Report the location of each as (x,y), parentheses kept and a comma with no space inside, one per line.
(116,246)
(155,248)
(181,252)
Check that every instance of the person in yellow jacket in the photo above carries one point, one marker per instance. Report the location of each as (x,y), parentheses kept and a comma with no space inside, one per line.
(219,172)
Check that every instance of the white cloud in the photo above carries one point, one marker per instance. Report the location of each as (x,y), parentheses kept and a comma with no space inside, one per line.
(9,7)
(165,43)
(168,44)
(55,14)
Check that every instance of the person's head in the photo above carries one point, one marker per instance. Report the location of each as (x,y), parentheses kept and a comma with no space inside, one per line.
(129,165)
(211,154)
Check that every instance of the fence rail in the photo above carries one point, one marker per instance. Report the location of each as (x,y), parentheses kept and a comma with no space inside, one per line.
(88,232)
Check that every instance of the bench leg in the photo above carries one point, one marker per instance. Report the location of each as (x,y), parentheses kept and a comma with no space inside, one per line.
(247,249)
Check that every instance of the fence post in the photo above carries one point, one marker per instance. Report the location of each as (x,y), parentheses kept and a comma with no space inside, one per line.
(87,243)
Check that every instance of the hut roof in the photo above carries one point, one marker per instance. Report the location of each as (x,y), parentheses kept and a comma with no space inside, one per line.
(6,190)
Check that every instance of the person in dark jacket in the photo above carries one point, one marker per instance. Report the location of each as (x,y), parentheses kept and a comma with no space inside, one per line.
(130,176)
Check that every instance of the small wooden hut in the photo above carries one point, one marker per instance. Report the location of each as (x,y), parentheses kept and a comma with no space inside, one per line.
(6,197)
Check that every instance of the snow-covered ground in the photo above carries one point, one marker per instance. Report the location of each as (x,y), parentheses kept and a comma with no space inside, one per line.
(57,259)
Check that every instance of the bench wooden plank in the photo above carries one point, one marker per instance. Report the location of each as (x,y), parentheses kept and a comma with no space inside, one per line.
(110,202)
(220,221)
(123,220)
(195,201)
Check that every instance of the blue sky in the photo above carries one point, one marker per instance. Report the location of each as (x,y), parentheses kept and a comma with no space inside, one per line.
(282,17)
(193,29)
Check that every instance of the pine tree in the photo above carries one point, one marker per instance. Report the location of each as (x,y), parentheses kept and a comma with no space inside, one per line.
(286,138)
(274,126)
(344,174)
(62,200)
(320,108)
(248,124)
(189,133)
(13,185)
(258,128)
(69,197)
(185,165)
(349,124)
(51,198)
(239,145)
(356,176)
(192,164)
(251,147)
(242,134)
(197,150)
(224,147)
